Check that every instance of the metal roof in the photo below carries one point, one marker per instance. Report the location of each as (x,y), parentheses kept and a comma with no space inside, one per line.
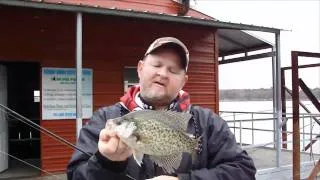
(231,39)
(237,41)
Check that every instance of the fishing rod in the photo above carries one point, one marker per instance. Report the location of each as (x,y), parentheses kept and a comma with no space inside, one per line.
(42,129)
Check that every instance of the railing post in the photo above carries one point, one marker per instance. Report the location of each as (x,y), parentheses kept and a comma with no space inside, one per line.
(234,123)
(303,133)
(240,132)
(310,132)
(252,131)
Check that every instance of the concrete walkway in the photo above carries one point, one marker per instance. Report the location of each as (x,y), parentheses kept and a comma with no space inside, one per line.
(53,177)
(264,159)
(265,162)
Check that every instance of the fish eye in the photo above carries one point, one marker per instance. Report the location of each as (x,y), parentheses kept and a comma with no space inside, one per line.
(117,121)
(137,136)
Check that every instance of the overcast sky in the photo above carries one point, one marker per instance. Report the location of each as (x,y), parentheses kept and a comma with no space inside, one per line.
(302,20)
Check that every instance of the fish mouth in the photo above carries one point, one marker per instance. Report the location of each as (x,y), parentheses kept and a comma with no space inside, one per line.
(117,121)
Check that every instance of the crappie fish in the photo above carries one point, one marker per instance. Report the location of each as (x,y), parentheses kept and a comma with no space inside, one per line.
(160,134)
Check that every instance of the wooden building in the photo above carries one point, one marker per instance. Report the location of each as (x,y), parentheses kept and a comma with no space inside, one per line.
(41,34)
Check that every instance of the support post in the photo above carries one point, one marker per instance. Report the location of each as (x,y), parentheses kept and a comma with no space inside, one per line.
(274,99)
(295,118)
(284,109)
(79,73)
(277,110)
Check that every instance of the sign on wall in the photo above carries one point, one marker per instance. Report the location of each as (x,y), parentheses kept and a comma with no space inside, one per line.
(59,93)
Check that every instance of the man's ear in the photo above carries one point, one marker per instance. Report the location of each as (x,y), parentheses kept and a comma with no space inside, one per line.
(186,77)
(139,67)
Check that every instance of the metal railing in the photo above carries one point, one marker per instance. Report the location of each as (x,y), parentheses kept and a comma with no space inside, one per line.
(240,121)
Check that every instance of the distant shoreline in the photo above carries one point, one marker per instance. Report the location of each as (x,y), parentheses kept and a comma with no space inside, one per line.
(236,100)
(258,95)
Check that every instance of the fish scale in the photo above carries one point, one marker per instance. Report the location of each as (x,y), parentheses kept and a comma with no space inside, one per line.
(162,140)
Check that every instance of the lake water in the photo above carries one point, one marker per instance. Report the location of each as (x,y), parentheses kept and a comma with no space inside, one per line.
(262,137)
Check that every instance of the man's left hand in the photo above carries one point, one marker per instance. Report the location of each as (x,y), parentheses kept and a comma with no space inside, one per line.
(164,178)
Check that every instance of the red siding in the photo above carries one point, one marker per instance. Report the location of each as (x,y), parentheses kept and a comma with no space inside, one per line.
(109,44)
(54,154)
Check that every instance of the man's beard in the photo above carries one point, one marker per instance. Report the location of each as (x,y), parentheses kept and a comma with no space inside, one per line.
(155,100)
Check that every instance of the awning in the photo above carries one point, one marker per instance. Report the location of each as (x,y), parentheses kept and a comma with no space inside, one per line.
(233,42)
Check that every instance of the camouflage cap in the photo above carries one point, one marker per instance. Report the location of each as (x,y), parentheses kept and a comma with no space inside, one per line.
(160,42)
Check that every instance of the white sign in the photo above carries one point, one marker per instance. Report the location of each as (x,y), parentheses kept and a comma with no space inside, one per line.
(59,93)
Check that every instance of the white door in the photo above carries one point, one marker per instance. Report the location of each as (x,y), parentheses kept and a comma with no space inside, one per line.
(3,121)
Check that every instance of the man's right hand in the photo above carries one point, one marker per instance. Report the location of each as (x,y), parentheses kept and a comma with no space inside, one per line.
(111,147)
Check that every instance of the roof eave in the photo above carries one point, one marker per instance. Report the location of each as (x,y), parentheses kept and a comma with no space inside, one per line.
(136,14)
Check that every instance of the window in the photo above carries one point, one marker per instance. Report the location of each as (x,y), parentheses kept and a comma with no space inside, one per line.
(130,77)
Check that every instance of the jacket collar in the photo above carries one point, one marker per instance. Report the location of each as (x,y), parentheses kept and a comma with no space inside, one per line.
(133,101)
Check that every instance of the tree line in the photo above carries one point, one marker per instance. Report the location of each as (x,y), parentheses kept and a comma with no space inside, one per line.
(263,94)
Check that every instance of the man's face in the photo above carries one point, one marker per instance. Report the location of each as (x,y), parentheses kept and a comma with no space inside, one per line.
(161,77)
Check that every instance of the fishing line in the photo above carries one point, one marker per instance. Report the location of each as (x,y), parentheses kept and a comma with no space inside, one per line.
(47,172)
(37,127)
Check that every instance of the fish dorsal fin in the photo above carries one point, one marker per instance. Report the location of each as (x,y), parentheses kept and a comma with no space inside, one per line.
(168,163)
(177,120)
